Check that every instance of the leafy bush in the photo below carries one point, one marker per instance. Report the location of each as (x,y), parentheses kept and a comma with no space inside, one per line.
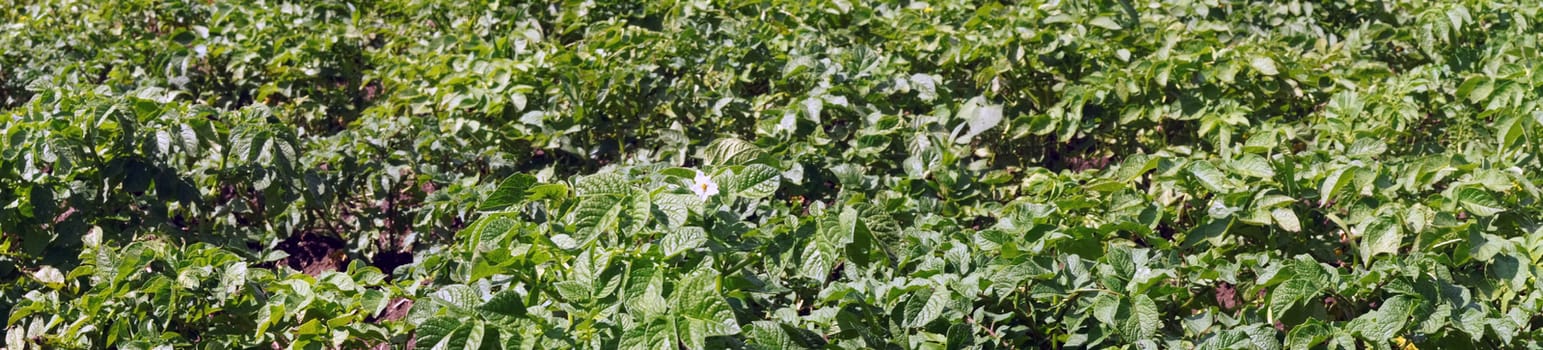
(770,174)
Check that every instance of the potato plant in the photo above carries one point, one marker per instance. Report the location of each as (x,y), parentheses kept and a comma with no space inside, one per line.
(770,174)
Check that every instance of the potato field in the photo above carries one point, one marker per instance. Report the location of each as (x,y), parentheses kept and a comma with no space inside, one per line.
(771,174)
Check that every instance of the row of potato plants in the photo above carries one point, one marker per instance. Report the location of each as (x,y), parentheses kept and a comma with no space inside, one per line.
(770,174)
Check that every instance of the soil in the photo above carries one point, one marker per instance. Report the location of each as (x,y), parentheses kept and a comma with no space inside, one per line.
(396,310)
(314,254)
(388,261)
(317,251)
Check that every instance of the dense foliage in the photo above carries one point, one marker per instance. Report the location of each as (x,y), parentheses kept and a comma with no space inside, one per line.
(771,174)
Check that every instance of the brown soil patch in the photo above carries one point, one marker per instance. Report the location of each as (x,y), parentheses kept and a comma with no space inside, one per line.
(396,310)
(314,254)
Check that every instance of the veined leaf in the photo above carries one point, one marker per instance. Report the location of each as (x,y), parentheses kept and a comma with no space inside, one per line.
(755,181)
(730,151)
(440,333)
(676,207)
(980,117)
(1384,323)
(602,184)
(510,192)
(1418,218)
(701,311)
(1211,178)
(1264,65)
(1286,295)
(769,335)
(1252,165)
(652,335)
(546,191)
(1366,147)
(603,213)
(49,275)
(819,257)
(506,302)
(1510,129)
(924,306)
(682,240)
(458,296)
(1334,182)
(1286,219)
(1380,236)
(1476,88)
(1479,202)
(232,280)
(1144,320)
(1307,335)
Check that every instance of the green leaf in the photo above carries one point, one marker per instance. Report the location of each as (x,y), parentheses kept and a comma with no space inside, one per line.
(676,207)
(682,240)
(1510,129)
(1144,320)
(980,117)
(1253,166)
(1286,218)
(925,86)
(506,302)
(1366,147)
(730,151)
(924,306)
(1380,236)
(1334,182)
(1286,295)
(1039,123)
(232,280)
(163,142)
(678,172)
(1483,246)
(1493,180)
(813,107)
(1264,65)
(441,333)
(1384,323)
(1211,178)
(16,338)
(701,310)
(1307,335)
(1513,268)
(755,181)
(268,316)
(602,213)
(1106,23)
(1479,202)
(1228,339)
(819,258)
(576,291)
(1476,88)
(650,336)
(48,275)
(510,192)
(650,302)
(602,184)
(564,241)
(546,191)
(458,296)
(1418,218)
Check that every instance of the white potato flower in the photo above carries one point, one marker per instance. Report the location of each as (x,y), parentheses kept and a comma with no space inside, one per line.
(704,186)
